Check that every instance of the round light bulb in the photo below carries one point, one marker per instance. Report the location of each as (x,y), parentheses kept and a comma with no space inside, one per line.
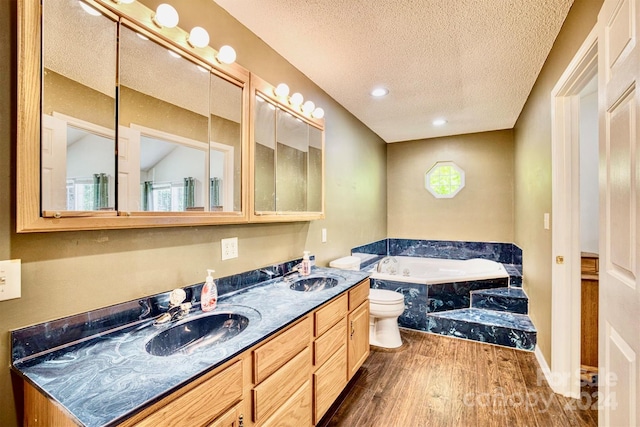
(166,16)
(308,107)
(226,54)
(282,90)
(296,99)
(91,11)
(318,113)
(380,91)
(198,37)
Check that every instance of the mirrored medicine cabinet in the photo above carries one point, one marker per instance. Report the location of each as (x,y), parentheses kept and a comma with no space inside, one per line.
(287,159)
(124,124)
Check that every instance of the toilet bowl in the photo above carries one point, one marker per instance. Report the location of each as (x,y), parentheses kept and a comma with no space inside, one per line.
(384,308)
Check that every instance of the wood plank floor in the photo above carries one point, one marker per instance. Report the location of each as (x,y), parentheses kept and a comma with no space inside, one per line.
(434,380)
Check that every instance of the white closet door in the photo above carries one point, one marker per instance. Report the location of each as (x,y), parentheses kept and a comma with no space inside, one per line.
(619,105)
(54,164)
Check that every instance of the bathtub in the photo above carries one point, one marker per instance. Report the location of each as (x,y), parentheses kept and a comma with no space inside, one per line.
(430,271)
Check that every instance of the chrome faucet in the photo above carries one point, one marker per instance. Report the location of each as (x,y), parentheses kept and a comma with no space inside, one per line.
(295,269)
(387,263)
(177,307)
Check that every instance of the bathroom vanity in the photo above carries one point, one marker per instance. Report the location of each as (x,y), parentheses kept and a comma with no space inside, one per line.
(287,367)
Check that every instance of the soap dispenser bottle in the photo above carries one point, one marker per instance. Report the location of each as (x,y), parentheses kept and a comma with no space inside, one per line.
(209,296)
(305,265)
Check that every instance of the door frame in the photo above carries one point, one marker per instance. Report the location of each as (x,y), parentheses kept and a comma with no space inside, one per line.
(564,374)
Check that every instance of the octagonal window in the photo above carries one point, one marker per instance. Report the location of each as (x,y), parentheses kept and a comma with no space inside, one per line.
(444,180)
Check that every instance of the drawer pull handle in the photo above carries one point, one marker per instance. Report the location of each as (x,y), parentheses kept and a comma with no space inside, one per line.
(240,421)
(353,331)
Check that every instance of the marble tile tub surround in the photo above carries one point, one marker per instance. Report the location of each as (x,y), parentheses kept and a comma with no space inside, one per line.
(30,341)
(508,254)
(105,379)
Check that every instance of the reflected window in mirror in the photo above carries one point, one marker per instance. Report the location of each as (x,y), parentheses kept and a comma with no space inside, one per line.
(78,108)
(163,128)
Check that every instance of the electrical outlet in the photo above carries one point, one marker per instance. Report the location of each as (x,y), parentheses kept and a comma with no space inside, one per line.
(10,278)
(229,248)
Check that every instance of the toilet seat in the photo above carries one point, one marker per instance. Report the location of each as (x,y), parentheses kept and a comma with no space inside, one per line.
(385,297)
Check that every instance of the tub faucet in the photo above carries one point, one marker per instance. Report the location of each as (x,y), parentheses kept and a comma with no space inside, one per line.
(389,263)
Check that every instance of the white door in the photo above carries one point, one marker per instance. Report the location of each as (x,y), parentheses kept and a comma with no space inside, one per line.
(54,164)
(128,169)
(619,105)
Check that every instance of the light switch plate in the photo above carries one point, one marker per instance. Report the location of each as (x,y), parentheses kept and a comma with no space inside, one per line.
(229,248)
(546,221)
(324,235)
(10,277)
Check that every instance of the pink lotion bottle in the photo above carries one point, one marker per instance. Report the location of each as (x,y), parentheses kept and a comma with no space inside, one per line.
(209,296)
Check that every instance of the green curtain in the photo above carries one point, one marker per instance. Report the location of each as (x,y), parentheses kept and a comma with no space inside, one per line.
(100,191)
(147,186)
(189,195)
(214,192)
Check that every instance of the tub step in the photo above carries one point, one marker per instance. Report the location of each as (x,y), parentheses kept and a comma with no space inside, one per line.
(513,300)
(493,327)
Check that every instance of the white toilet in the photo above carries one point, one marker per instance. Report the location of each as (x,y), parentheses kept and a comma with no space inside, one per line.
(385,307)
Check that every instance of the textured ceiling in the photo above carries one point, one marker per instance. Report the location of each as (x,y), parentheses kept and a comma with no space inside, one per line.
(472,62)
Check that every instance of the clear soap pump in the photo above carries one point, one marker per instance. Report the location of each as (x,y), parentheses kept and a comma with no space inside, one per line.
(209,296)
(305,265)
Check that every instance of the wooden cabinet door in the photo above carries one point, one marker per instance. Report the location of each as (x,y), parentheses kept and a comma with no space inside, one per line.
(358,342)
(231,418)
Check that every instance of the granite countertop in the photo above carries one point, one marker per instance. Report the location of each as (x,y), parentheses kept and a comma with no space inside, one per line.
(106,379)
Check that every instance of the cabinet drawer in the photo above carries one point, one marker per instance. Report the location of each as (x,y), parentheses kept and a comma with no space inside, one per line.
(203,403)
(328,382)
(329,315)
(329,342)
(358,294)
(281,385)
(589,265)
(272,355)
(296,412)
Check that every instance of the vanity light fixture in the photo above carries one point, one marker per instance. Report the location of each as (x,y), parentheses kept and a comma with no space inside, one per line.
(296,99)
(308,107)
(439,122)
(91,11)
(282,90)
(198,37)
(379,92)
(165,16)
(318,113)
(226,55)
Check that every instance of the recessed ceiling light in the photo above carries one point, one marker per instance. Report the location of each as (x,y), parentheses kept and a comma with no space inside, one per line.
(379,91)
(439,122)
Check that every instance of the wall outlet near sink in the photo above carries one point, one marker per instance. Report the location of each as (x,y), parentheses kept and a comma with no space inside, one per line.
(229,248)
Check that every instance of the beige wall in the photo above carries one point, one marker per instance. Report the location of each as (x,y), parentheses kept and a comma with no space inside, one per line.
(532,135)
(70,272)
(481,211)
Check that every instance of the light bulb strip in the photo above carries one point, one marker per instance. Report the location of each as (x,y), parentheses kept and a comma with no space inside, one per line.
(299,108)
(138,15)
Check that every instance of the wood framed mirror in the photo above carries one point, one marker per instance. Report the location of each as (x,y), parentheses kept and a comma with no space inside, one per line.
(96,138)
(287,159)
